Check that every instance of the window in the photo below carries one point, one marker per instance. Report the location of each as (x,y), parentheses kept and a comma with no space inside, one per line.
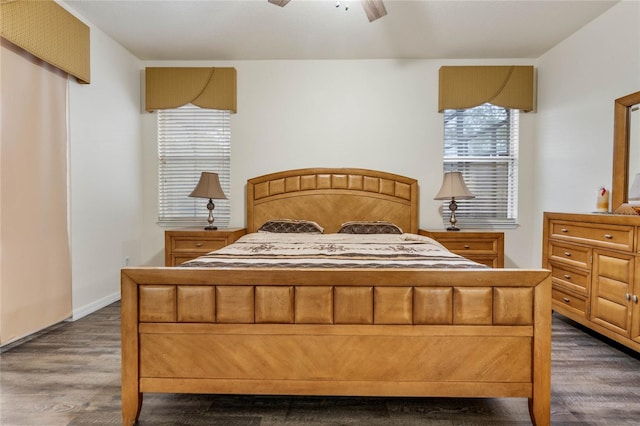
(482,143)
(192,140)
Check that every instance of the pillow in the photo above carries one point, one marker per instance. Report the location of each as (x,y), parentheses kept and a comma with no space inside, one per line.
(363,227)
(291,226)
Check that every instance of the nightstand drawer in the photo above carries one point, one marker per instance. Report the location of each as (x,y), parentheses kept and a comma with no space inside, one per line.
(490,261)
(185,244)
(178,259)
(470,246)
(198,244)
(482,247)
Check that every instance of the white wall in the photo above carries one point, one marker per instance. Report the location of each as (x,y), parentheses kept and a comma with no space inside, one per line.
(578,82)
(376,114)
(105,174)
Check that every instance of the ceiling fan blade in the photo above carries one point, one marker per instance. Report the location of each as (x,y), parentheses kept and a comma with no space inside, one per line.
(281,3)
(373,8)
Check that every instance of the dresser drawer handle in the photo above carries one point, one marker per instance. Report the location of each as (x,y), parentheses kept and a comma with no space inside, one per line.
(567,276)
(565,230)
(198,244)
(608,236)
(566,253)
(466,246)
(566,300)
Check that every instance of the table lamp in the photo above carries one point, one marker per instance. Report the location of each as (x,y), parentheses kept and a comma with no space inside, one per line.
(209,187)
(453,187)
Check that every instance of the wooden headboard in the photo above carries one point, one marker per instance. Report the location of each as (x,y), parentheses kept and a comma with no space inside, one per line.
(332,196)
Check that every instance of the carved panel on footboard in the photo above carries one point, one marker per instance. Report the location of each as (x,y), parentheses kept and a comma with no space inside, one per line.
(335,305)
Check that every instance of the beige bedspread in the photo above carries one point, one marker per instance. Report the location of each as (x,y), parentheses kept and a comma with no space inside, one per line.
(263,249)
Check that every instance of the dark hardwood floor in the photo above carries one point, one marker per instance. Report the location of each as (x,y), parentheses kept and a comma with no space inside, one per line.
(70,375)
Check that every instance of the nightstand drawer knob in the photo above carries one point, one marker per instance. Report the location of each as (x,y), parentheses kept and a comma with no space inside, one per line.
(565,230)
(198,244)
(466,246)
(608,236)
(566,300)
(566,253)
(567,276)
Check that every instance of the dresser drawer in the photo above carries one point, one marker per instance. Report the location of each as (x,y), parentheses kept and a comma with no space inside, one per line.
(567,300)
(198,244)
(573,278)
(570,254)
(618,237)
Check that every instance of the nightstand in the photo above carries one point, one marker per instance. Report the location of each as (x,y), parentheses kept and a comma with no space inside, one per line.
(185,244)
(482,247)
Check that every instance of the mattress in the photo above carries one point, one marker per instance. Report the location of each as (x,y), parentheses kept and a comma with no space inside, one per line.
(306,250)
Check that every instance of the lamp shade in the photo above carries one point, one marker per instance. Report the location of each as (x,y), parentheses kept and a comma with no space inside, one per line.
(634,191)
(453,186)
(208,187)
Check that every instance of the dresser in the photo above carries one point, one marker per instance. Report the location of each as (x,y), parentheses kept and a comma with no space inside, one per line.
(185,244)
(595,266)
(482,247)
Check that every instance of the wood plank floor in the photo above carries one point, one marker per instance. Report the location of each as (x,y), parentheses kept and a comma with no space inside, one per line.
(70,375)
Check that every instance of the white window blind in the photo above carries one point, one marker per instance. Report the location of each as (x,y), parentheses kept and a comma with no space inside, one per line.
(192,140)
(482,143)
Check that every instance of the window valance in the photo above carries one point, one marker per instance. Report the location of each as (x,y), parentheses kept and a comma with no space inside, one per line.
(212,88)
(470,86)
(47,31)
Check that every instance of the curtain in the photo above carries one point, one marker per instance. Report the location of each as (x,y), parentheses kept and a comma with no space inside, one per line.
(35,265)
(47,31)
(211,88)
(508,86)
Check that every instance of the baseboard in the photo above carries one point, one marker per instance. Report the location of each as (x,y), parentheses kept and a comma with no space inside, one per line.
(94,306)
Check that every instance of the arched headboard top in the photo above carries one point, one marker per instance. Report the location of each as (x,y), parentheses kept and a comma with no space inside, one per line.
(332,196)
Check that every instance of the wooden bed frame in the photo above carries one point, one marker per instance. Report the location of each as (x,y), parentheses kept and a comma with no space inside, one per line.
(364,332)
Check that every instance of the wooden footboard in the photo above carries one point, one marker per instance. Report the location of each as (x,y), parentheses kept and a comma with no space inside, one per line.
(447,333)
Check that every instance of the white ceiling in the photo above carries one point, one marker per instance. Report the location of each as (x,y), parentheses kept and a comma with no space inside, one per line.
(317,29)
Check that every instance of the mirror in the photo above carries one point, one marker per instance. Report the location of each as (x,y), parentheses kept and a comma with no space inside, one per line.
(626,147)
(634,146)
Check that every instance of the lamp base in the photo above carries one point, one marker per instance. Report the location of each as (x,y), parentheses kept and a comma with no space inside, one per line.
(453,206)
(210,226)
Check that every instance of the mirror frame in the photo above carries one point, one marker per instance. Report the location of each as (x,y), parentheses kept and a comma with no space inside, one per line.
(621,130)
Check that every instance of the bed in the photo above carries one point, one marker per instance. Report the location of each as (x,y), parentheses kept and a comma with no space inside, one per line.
(315,329)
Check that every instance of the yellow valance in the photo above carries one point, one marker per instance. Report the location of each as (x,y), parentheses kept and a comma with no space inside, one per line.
(47,31)
(212,88)
(470,86)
